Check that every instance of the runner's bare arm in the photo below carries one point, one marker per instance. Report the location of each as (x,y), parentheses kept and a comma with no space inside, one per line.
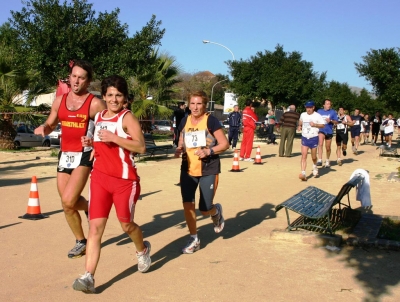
(97,105)
(52,121)
(131,126)
(223,143)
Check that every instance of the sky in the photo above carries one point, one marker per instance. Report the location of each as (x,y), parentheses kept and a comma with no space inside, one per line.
(333,35)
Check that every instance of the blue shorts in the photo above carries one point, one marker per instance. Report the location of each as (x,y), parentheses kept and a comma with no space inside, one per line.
(309,142)
(389,134)
(355,132)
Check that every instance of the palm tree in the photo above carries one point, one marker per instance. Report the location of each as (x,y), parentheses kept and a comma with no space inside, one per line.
(15,86)
(153,90)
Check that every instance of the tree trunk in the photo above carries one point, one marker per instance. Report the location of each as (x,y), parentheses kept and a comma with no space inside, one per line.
(7,134)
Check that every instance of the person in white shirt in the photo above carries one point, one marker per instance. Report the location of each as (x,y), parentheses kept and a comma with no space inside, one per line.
(309,124)
(389,129)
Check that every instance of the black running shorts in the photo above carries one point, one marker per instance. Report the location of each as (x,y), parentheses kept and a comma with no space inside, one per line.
(208,186)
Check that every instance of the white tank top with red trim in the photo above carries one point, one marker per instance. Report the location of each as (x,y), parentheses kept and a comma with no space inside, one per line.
(110,158)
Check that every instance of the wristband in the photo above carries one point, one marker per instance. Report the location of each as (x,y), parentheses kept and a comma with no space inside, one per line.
(211,152)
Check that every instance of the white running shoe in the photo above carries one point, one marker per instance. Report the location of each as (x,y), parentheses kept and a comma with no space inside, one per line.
(144,260)
(339,162)
(241,158)
(249,159)
(315,172)
(327,165)
(303,177)
(84,284)
(192,246)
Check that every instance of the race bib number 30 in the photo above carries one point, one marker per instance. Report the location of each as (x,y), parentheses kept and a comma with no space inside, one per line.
(103,126)
(70,160)
(195,139)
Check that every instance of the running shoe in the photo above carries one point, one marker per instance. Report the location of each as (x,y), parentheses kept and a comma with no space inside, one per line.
(319,163)
(355,152)
(78,250)
(192,246)
(374,144)
(339,162)
(241,158)
(327,165)
(249,159)
(303,177)
(315,172)
(218,220)
(344,152)
(85,284)
(144,260)
(354,149)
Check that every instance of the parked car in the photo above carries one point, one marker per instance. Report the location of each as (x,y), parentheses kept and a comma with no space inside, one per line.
(164,125)
(55,136)
(26,138)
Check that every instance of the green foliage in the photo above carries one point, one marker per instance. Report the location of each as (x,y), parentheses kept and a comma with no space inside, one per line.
(279,76)
(50,34)
(382,69)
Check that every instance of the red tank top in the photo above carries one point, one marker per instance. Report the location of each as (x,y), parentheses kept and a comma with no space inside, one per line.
(110,158)
(75,124)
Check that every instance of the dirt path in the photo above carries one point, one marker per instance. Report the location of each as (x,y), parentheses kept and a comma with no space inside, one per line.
(240,264)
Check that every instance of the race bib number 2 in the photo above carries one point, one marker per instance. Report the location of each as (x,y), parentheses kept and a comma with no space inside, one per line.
(70,160)
(195,139)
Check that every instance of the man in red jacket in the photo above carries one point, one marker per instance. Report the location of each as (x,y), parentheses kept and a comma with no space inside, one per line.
(249,119)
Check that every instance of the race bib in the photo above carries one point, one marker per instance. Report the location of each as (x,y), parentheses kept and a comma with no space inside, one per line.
(70,160)
(357,122)
(340,126)
(306,128)
(195,139)
(103,126)
(376,121)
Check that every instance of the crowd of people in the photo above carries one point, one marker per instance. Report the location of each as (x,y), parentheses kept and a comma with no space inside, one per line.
(320,126)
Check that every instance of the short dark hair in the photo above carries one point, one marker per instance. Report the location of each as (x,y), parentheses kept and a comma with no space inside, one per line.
(85,65)
(249,102)
(114,81)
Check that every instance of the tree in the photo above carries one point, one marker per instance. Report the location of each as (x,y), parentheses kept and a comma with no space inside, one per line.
(340,94)
(279,76)
(154,88)
(15,85)
(382,69)
(50,34)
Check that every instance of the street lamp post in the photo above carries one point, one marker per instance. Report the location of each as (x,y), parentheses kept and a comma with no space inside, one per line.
(206,42)
(233,57)
(212,91)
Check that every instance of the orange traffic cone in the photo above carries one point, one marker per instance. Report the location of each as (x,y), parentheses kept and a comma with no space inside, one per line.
(235,164)
(258,157)
(33,211)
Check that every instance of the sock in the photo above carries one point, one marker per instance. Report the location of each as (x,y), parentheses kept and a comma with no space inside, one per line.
(339,158)
(195,237)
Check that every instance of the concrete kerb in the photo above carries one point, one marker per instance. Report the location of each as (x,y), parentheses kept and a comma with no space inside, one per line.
(364,235)
(306,237)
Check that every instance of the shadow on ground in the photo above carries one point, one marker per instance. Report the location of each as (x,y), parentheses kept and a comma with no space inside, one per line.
(233,226)
(376,269)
